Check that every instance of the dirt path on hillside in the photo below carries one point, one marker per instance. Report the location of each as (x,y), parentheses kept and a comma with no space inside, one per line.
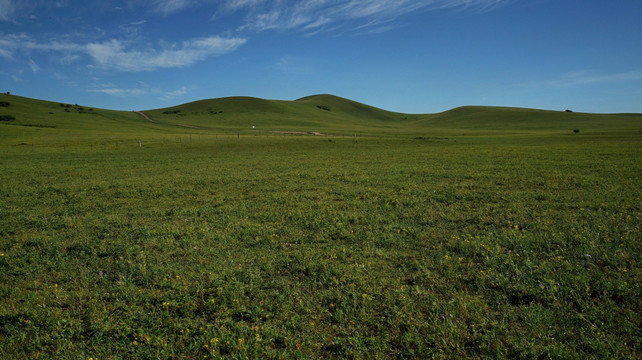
(150,120)
(188,126)
(298,133)
(145,116)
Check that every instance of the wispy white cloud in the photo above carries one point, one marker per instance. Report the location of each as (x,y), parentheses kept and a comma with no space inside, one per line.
(178,92)
(6,10)
(24,42)
(15,75)
(111,89)
(181,91)
(133,28)
(141,89)
(9,43)
(114,55)
(34,67)
(5,51)
(69,58)
(12,43)
(588,77)
(167,7)
(121,92)
(309,15)
(120,56)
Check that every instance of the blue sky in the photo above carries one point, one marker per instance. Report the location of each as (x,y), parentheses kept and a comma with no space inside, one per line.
(415,56)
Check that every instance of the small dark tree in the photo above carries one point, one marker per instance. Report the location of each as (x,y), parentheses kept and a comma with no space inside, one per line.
(4,104)
(576,131)
(7,118)
(567,110)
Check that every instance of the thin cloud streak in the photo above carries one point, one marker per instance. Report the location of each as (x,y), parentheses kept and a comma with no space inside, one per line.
(181,91)
(172,94)
(34,67)
(6,10)
(120,92)
(588,77)
(167,7)
(111,90)
(310,15)
(115,55)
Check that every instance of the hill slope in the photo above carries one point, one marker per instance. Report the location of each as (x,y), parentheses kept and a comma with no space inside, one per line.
(316,113)
(39,121)
(506,119)
(313,113)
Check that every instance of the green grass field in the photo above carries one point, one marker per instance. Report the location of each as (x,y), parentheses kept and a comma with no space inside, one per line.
(474,233)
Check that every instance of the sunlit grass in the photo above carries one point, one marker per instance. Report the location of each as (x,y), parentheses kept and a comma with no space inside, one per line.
(322,247)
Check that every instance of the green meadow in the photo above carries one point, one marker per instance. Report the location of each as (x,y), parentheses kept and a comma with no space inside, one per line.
(225,229)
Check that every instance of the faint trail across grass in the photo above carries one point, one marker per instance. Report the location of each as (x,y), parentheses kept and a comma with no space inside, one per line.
(146,117)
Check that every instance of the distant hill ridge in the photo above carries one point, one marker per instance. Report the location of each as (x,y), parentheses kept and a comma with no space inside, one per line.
(315,113)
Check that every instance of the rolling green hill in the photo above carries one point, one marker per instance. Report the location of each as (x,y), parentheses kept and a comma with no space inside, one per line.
(36,120)
(332,114)
(506,119)
(322,113)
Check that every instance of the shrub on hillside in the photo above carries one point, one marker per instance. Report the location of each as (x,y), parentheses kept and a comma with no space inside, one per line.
(4,104)
(576,131)
(7,118)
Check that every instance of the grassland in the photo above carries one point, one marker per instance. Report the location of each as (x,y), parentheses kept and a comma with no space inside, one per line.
(475,233)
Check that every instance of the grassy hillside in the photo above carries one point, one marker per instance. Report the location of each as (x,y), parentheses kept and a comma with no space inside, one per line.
(321,113)
(37,120)
(506,120)
(44,122)
(331,114)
